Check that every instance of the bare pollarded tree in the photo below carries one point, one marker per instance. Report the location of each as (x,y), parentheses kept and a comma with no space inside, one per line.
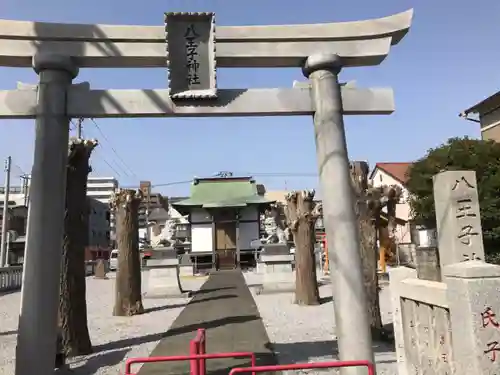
(128,297)
(369,204)
(72,301)
(301,213)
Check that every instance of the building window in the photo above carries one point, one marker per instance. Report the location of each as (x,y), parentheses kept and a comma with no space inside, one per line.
(99,188)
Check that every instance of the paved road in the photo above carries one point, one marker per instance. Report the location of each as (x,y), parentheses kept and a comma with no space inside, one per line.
(225,307)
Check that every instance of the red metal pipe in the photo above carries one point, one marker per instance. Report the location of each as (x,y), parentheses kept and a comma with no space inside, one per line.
(197,346)
(132,361)
(202,350)
(305,366)
(194,349)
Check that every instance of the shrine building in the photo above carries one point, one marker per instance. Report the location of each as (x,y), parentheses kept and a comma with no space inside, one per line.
(224,214)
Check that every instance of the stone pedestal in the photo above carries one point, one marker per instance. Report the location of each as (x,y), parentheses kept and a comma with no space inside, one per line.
(163,281)
(397,275)
(186,267)
(277,273)
(100,269)
(473,292)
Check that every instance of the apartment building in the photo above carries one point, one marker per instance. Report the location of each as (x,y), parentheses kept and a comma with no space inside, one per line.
(101,217)
(150,201)
(18,195)
(99,224)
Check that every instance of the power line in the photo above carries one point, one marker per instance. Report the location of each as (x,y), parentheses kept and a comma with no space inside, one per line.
(79,130)
(16,170)
(114,150)
(172,183)
(252,174)
(111,167)
(284,174)
(163,184)
(116,168)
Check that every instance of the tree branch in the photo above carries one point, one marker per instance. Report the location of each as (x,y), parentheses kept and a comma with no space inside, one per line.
(125,198)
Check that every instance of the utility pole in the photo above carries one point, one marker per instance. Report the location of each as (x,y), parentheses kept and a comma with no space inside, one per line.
(25,188)
(79,128)
(3,248)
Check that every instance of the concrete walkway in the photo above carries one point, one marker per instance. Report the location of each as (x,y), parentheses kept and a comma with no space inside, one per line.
(225,307)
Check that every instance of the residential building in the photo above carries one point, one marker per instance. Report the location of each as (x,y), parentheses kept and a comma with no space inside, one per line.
(150,202)
(17,221)
(18,195)
(224,213)
(279,196)
(396,174)
(183,227)
(173,213)
(101,189)
(99,224)
(101,217)
(487,114)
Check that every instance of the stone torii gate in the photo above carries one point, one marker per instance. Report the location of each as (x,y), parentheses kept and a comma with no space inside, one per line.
(191,47)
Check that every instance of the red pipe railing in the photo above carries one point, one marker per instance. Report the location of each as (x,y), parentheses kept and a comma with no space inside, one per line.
(198,346)
(305,366)
(178,358)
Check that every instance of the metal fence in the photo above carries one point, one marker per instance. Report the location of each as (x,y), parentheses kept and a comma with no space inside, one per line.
(11,278)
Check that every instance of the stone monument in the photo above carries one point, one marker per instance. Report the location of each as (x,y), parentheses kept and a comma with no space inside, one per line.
(191,47)
(457,212)
(100,269)
(472,285)
(450,327)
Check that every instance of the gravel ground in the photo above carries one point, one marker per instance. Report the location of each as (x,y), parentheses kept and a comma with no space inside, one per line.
(312,337)
(114,338)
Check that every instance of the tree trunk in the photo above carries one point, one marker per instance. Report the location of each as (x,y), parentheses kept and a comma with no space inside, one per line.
(369,258)
(72,301)
(301,213)
(368,248)
(128,298)
(393,194)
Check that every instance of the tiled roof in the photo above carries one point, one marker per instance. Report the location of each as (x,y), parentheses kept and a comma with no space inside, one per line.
(484,105)
(157,214)
(222,192)
(176,199)
(397,170)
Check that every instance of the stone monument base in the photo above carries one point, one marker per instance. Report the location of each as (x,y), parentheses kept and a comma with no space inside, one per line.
(163,280)
(278,275)
(100,269)
(186,267)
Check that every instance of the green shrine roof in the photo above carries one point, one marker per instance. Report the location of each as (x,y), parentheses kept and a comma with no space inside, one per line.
(222,192)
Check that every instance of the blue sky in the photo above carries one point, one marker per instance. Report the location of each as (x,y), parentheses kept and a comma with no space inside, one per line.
(447,62)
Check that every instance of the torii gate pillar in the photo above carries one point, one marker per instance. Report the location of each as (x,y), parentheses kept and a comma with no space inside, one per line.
(351,312)
(37,333)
